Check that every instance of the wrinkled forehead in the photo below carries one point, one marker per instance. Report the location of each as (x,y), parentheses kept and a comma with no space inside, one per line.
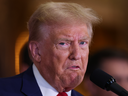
(76,29)
(70,30)
(65,27)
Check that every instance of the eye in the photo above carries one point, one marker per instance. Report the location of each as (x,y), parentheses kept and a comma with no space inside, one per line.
(82,42)
(62,43)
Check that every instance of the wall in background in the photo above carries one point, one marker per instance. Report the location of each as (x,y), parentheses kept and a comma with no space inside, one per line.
(111,32)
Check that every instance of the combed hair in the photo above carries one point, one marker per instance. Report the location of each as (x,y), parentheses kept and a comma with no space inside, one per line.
(59,13)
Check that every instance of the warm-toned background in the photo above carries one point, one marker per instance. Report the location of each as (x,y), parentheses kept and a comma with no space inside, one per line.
(14,14)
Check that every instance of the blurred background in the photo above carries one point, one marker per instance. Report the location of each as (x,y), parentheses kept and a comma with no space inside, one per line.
(14,14)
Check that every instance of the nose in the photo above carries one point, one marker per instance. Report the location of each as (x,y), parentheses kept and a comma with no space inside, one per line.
(75,52)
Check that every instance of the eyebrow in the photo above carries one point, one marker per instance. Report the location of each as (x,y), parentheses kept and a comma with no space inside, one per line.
(85,38)
(70,39)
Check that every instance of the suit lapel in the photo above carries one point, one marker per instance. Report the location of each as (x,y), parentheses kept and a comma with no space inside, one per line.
(29,84)
(75,93)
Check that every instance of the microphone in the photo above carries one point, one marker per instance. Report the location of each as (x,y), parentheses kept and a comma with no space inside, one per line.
(107,82)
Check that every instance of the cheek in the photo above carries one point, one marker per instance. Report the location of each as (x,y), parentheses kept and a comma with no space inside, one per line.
(59,58)
(61,54)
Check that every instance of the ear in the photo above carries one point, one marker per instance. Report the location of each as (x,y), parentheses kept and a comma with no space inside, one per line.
(34,49)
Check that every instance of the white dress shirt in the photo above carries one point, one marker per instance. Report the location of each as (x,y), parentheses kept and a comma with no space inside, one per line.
(45,87)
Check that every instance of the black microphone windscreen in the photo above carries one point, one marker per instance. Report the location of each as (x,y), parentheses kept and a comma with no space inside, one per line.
(100,78)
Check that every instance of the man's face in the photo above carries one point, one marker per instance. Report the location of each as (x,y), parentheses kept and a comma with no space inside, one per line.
(64,56)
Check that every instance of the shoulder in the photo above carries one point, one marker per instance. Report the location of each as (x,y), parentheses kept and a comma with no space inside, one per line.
(10,81)
(75,93)
(11,85)
(15,80)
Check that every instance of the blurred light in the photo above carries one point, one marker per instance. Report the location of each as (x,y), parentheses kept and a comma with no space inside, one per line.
(21,40)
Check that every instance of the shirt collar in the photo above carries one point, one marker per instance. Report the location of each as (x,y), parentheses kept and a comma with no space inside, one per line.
(45,87)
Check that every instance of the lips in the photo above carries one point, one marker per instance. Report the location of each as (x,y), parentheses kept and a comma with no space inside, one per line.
(74,67)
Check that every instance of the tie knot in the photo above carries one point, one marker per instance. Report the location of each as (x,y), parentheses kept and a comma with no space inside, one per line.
(62,94)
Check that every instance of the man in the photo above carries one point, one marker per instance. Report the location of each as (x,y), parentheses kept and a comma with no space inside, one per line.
(59,38)
(113,62)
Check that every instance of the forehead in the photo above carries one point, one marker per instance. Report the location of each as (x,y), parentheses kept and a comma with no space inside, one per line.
(70,31)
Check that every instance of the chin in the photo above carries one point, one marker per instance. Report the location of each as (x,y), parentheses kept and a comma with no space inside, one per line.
(72,85)
(74,82)
(71,79)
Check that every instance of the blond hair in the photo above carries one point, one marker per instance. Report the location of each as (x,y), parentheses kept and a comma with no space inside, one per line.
(59,13)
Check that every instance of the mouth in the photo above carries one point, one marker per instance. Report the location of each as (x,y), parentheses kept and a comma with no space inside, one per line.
(74,67)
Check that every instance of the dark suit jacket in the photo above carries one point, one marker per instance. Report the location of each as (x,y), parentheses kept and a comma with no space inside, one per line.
(23,84)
